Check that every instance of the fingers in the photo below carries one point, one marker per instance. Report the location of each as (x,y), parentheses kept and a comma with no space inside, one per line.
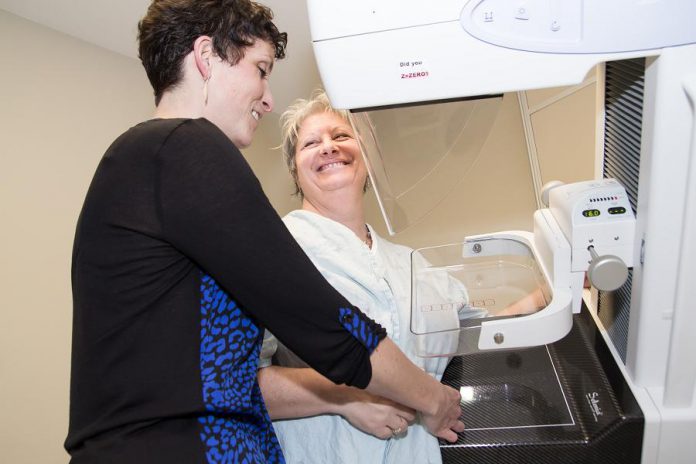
(408,414)
(395,426)
(454,426)
(398,427)
(446,423)
(448,435)
(400,412)
(391,432)
(396,431)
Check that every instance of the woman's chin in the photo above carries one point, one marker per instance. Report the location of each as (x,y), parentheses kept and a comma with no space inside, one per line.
(345,184)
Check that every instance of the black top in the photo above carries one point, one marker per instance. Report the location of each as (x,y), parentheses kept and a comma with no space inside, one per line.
(179,262)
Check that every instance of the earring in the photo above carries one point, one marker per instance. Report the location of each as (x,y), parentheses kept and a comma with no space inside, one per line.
(205,90)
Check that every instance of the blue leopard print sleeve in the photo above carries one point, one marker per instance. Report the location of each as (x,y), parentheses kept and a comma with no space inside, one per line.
(364,329)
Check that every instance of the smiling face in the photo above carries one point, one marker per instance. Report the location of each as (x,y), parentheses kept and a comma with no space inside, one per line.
(239,95)
(328,157)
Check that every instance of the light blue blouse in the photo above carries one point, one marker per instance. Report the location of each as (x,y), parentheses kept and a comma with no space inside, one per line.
(377,280)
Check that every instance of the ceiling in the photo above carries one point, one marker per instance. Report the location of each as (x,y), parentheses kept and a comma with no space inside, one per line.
(112,24)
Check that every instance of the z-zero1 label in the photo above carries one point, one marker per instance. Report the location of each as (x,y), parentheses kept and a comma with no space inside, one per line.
(413,75)
(410,69)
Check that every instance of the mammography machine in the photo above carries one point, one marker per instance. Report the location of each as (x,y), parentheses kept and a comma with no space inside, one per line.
(613,384)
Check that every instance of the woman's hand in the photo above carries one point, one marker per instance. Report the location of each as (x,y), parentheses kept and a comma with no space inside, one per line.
(290,393)
(443,421)
(376,415)
(397,378)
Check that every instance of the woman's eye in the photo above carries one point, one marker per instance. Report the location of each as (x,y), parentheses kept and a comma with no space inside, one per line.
(342,137)
(262,72)
(309,143)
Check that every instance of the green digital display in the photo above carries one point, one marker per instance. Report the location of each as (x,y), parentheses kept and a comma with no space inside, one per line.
(591,213)
(617,210)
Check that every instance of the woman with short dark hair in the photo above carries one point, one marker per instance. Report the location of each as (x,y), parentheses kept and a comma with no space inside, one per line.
(179,262)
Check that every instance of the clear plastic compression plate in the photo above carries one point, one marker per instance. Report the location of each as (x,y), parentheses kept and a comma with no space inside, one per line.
(456,288)
(417,154)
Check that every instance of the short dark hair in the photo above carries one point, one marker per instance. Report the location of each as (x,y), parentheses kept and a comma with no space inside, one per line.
(167,32)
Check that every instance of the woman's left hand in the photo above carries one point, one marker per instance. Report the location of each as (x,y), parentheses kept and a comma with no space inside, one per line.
(376,415)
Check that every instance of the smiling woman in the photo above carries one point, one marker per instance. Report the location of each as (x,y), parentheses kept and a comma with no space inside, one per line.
(328,159)
(158,241)
(175,250)
(236,96)
(315,421)
(312,126)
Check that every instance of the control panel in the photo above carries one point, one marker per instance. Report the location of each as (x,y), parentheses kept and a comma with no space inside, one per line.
(580,26)
(594,214)
(538,21)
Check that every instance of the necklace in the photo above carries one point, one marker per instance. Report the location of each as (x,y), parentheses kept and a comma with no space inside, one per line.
(368,237)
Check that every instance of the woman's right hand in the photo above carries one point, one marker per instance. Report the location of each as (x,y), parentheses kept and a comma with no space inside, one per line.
(443,421)
(397,378)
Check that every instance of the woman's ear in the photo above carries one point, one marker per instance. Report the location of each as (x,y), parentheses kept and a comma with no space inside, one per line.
(202,52)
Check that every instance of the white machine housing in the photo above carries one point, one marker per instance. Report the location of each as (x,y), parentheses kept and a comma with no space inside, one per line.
(594,213)
(373,54)
(579,216)
(393,52)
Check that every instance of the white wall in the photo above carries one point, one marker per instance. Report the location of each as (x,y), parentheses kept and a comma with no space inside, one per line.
(62,101)
(266,159)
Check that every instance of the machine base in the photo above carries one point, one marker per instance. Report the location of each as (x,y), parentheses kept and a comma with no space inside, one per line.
(566,402)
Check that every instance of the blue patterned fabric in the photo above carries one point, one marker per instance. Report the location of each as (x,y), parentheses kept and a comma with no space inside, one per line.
(238,429)
(359,328)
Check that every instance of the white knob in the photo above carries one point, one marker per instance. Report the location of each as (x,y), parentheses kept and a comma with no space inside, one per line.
(606,273)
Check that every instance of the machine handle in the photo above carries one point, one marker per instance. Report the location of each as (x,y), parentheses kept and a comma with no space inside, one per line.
(607,272)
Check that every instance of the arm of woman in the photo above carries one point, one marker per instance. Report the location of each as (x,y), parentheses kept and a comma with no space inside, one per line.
(528,304)
(291,393)
(215,213)
(213,210)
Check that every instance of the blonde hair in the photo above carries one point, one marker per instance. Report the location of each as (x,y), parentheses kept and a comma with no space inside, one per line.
(291,120)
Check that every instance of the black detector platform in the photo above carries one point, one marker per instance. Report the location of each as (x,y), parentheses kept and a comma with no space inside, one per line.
(566,402)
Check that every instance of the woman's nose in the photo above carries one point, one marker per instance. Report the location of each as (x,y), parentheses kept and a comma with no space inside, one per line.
(267,100)
(328,146)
